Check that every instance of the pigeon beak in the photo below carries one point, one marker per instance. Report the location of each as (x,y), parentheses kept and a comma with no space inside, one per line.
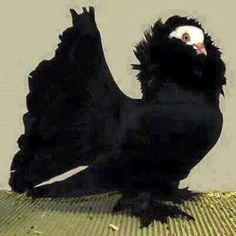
(200,48)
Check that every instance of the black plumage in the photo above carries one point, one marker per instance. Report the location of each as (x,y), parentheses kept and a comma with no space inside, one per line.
(77,114)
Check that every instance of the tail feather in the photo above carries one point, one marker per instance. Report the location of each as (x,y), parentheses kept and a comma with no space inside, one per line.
(66,96)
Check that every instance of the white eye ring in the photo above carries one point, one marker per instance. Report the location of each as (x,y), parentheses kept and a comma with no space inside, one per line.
(193,34)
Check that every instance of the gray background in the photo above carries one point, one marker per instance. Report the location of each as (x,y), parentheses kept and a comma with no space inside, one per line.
(29,34)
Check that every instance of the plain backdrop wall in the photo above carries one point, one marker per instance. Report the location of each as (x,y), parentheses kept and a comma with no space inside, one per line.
(29,33)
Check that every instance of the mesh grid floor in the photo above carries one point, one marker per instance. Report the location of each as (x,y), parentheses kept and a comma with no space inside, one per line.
(214,214)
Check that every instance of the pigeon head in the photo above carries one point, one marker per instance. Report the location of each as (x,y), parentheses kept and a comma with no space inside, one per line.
(179,51)
(190,35)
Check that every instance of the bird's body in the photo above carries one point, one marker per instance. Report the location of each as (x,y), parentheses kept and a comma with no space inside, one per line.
(78,116)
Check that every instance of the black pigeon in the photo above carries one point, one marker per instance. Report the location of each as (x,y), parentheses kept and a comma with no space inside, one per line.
(77,115)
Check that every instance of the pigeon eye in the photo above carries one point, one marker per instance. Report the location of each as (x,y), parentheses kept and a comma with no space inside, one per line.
(186,37)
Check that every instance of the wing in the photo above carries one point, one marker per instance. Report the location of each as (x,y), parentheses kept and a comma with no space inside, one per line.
(70,97)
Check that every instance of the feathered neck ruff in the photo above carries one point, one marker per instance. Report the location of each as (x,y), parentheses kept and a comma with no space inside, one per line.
(164,60)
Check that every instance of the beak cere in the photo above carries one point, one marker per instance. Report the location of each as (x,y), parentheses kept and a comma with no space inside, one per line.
(200,48)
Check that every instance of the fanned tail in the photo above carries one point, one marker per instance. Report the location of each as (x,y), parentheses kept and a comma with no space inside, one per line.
(69,95)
